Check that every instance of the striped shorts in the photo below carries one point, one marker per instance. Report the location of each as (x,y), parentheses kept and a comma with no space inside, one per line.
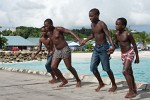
(129,55)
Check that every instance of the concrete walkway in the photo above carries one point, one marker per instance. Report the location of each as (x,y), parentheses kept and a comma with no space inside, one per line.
(23,86)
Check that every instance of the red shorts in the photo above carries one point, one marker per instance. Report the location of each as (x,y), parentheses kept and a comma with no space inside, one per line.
(129,55)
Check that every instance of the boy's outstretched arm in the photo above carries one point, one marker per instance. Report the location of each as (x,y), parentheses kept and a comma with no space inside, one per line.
(61,29)
(39,49)
(134,47)
(89,38)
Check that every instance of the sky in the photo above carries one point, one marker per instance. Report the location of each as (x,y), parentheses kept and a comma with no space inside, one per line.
(72,13)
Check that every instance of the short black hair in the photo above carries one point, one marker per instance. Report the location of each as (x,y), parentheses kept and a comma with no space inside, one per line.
(43,27)
(95,10)
(123,20)
(49,21)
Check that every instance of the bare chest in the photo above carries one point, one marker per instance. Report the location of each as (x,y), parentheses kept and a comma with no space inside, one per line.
(97,29)
(122,37)
(57,35)
(46,41)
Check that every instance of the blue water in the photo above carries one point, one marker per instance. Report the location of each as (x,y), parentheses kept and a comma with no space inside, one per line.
(141,70)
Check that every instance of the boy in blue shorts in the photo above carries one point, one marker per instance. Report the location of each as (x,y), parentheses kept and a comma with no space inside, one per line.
(101,50)
(49,46)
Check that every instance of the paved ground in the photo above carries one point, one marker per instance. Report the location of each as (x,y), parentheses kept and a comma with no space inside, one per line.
(22,86)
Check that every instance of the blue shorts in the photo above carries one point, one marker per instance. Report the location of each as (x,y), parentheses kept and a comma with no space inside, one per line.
(100,55)
(48,63)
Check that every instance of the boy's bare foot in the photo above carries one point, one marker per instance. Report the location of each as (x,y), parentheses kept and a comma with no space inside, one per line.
(130,95)
(63,83)
(113,89)
(52,81)
(58,80)
(99,87)
(135,91)
(78,84)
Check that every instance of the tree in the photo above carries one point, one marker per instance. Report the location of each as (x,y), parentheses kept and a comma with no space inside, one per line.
(89,46)
(112,34)
(3,42)
(143,36)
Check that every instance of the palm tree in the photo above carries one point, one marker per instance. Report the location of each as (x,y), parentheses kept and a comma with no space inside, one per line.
(89,46)
(143,36)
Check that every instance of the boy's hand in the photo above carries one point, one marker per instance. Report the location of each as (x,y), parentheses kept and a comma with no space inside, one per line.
(82,42)
(110,50)
(51,52)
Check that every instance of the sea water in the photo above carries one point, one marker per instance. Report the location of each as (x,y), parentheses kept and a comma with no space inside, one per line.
(82,66)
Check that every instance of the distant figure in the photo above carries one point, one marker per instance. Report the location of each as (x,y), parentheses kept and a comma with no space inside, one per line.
(49,46)
(62,51)
(125,39)
(101,51)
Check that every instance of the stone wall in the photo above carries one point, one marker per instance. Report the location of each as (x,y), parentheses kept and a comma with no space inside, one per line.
(10,57)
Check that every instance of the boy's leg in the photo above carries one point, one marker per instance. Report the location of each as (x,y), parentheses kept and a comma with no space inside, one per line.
(114,86)
(67,62)
(54,65)
(133,81)
(49,70)
(55,79)
(95,60)
(129,79)
(101,84)
(106,67)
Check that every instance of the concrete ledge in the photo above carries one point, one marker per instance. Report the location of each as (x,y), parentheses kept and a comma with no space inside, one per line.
(140,85)
(84,78)
(144,86)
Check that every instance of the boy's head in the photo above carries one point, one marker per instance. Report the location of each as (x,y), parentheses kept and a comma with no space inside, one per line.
(95,11)
(94,15)
(43,31)
(121,23)
(48,23)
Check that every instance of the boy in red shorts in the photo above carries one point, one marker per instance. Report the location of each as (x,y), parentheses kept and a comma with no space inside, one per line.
(125,39)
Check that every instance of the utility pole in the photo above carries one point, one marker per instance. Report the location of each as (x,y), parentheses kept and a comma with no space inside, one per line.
(0,31)
(0,37)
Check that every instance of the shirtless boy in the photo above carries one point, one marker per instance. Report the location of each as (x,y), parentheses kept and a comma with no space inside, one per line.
(62,51)
(125,39)
(49,46)
(101,50)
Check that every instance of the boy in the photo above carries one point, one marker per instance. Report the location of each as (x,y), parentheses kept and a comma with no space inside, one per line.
(49,46)
(125,40)
(62,51)
(101,50)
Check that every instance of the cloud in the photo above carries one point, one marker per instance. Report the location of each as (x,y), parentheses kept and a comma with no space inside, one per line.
(72,13)
(4,18)
(140,18)
(29,5)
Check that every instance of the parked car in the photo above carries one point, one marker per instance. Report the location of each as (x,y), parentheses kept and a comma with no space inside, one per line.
(15,49)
